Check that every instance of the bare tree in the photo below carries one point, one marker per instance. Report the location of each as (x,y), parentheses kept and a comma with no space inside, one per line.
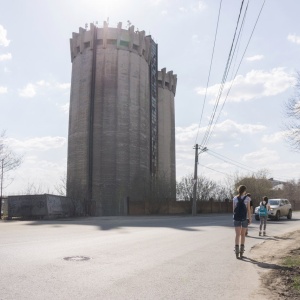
(257,184)
(292,122)
(9,161)
(35,189)
(184,188)
(206,189)
(61,187)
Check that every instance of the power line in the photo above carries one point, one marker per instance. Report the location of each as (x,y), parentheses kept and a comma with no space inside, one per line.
(214,170)
(211,60)
(225,74)
(230,161)
(232,81)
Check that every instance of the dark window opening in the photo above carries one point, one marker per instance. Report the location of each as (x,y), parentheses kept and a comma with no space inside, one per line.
(124,43)
(111,42)
(135,47)
(87,45)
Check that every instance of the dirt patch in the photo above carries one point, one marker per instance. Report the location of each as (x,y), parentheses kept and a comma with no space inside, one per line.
(277,277)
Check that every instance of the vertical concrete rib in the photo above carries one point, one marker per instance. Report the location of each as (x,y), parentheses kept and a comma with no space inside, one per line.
(91,114)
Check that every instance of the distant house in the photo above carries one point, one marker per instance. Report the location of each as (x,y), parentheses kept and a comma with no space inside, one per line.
(277,184)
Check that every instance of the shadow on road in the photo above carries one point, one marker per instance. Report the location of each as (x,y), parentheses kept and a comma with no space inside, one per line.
(268,238)
(187,223)
(178,222)
(265,265)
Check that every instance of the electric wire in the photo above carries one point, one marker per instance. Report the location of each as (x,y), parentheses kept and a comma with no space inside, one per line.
(232,81)
(208,130)
(236,164)
(214,170)
(209,72)
(234,44)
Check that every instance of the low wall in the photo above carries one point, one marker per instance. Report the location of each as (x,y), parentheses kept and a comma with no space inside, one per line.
(177,207)
(39,206)
(185,207)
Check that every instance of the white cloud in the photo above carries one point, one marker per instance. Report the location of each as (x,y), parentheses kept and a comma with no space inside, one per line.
(195,39)
(261,157)
(201,5)
(197,7)
(3,89)
(294,38)
(3,39)
(255,57)
(274,138)
(6,56)
(43,83)
(28,91)
(38,144)
(232,129)
(64,86)
(31,89)
(255,84)
(156,2)
(65,108)
(183,9)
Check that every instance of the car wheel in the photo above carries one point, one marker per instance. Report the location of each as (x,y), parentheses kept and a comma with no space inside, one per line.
(277,215)
(289,216)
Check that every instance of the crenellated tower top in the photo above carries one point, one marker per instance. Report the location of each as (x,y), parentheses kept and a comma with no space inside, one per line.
(167,80)
(107,37)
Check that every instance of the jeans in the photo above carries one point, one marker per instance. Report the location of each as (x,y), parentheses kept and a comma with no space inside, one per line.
(263,222)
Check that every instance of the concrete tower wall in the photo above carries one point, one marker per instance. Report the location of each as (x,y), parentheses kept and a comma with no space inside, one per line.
(79,116)
(114,115)
(166,129)
(109,127)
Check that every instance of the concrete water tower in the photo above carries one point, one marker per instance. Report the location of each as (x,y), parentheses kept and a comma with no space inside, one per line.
(121,122)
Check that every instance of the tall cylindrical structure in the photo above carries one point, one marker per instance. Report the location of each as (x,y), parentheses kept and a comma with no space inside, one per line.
(113,122)
(166,130)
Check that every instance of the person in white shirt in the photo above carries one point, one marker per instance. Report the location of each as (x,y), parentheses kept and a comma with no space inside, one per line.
(241,209)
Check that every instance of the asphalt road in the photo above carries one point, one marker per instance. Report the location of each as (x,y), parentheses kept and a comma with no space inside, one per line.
(129,258)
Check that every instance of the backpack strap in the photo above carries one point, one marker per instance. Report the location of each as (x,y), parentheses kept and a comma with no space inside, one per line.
(242,199)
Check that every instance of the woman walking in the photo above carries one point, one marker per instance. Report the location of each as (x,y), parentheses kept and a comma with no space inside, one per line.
(263,215)
(241,208)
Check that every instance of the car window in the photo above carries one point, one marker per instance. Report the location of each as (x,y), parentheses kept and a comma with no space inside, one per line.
(274,202)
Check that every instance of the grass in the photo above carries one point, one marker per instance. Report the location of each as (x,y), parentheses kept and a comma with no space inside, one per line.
(294,262)
(296,283)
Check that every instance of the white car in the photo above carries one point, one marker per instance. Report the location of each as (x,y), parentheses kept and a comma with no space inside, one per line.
(278,208)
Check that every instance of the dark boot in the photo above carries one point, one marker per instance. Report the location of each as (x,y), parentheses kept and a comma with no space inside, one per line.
(242,250)
(237,251)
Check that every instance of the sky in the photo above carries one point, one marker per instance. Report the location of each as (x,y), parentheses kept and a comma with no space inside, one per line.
(247,132)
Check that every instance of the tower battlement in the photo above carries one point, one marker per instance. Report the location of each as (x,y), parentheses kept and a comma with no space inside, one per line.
(167,80)
(108,37)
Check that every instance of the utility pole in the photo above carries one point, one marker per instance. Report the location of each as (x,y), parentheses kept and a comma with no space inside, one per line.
(194,208)
(194,204)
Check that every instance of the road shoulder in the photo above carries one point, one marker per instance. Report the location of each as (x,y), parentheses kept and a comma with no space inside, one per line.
(267,258)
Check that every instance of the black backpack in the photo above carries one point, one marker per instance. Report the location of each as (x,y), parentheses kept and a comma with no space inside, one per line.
(240,211)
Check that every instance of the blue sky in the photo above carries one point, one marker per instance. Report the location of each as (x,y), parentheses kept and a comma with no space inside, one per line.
(35,75)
